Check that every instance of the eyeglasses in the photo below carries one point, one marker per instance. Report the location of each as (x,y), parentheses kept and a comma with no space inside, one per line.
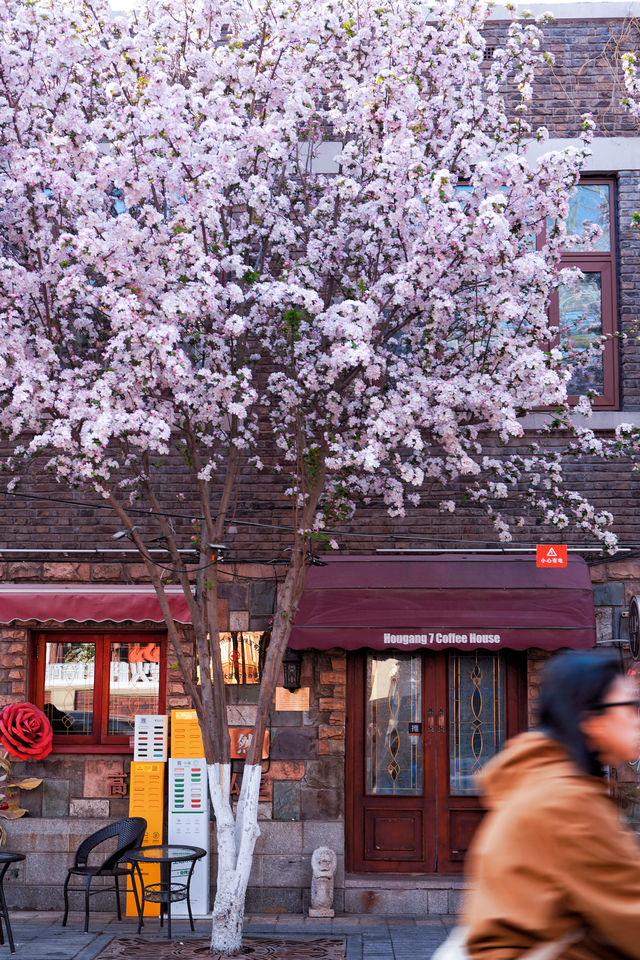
(616,703)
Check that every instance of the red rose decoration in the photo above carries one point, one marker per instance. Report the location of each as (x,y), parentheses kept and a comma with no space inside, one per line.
(25,732)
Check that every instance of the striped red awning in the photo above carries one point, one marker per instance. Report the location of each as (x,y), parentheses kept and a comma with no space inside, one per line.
(81,603)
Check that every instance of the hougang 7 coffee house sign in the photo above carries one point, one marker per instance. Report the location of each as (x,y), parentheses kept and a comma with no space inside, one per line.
(436,639)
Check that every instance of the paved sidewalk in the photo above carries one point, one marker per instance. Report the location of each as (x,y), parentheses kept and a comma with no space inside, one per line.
(40,936)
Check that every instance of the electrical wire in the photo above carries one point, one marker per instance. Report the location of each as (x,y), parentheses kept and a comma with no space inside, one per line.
(380,537)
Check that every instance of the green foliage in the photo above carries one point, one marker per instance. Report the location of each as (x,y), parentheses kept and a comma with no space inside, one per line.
(292,319)
(312,464)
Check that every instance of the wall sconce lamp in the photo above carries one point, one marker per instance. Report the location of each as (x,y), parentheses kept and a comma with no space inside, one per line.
(291,665)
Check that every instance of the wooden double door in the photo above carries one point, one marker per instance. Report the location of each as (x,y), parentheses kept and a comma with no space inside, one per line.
(420,726)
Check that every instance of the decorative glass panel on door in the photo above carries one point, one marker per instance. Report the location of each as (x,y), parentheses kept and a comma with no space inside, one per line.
(68,687)
(134,680)
(393,743)
(476,716)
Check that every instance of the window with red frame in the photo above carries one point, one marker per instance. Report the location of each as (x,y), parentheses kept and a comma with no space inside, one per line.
(586,309)
(91,685)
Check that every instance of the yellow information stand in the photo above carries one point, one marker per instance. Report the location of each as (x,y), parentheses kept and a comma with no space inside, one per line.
(146,799)
(186,739)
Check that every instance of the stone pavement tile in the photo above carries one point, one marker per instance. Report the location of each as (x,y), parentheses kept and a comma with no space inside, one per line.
(377,949)
(93,949)
(34,951)
(38,919)
(422,935)
(22,930)
(46,950)
(354,948)
(373,921)
(44,945)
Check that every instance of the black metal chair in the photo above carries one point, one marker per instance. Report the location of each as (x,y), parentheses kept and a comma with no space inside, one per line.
(130,832)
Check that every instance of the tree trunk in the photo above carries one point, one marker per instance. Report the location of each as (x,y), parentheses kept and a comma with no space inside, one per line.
(236,838)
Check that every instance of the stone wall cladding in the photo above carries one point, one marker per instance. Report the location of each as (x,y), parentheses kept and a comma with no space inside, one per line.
(36,883)
(13,664)
(535,661)
(303,783)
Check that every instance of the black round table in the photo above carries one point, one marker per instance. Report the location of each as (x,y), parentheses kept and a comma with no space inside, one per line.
(6,859)
(165,893)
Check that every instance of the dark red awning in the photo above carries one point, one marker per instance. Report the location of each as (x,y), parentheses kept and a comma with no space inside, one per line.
(439,601)
(88,602)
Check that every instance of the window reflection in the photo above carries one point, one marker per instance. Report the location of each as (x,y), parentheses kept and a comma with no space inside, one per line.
(68,687)
(240,653)
(134,683)
(580,320)
(590,205)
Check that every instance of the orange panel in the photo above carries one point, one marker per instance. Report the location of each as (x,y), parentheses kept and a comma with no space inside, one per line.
(146,799)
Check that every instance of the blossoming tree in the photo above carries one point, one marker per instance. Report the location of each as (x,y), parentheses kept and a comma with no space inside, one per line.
(177,270)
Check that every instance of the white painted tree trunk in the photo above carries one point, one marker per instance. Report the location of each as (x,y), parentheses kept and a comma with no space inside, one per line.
(236,840)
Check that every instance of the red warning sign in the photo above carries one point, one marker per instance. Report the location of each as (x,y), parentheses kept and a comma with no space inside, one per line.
(551,555)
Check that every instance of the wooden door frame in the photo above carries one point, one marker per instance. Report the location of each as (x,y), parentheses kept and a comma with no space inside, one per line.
(515,720)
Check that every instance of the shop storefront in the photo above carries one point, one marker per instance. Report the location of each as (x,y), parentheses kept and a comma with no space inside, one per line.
(436,682)
(414,671)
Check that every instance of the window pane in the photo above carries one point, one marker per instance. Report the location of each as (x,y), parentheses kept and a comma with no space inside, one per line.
(68,687)
(580,318)
(589,205)
(240,653)
(476,716)
(394,725)
(134,682)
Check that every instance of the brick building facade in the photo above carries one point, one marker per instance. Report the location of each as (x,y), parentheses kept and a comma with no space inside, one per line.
(58,537)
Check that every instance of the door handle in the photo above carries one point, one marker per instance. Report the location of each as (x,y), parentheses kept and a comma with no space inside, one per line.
(430,720)
(441,728)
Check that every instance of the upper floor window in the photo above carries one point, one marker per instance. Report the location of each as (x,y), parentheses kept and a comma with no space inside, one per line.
(586,309)
(91,685)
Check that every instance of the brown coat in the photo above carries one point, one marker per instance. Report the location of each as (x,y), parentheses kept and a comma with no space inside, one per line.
(551,855)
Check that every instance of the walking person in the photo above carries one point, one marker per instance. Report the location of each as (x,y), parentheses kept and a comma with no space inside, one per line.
(552,863)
